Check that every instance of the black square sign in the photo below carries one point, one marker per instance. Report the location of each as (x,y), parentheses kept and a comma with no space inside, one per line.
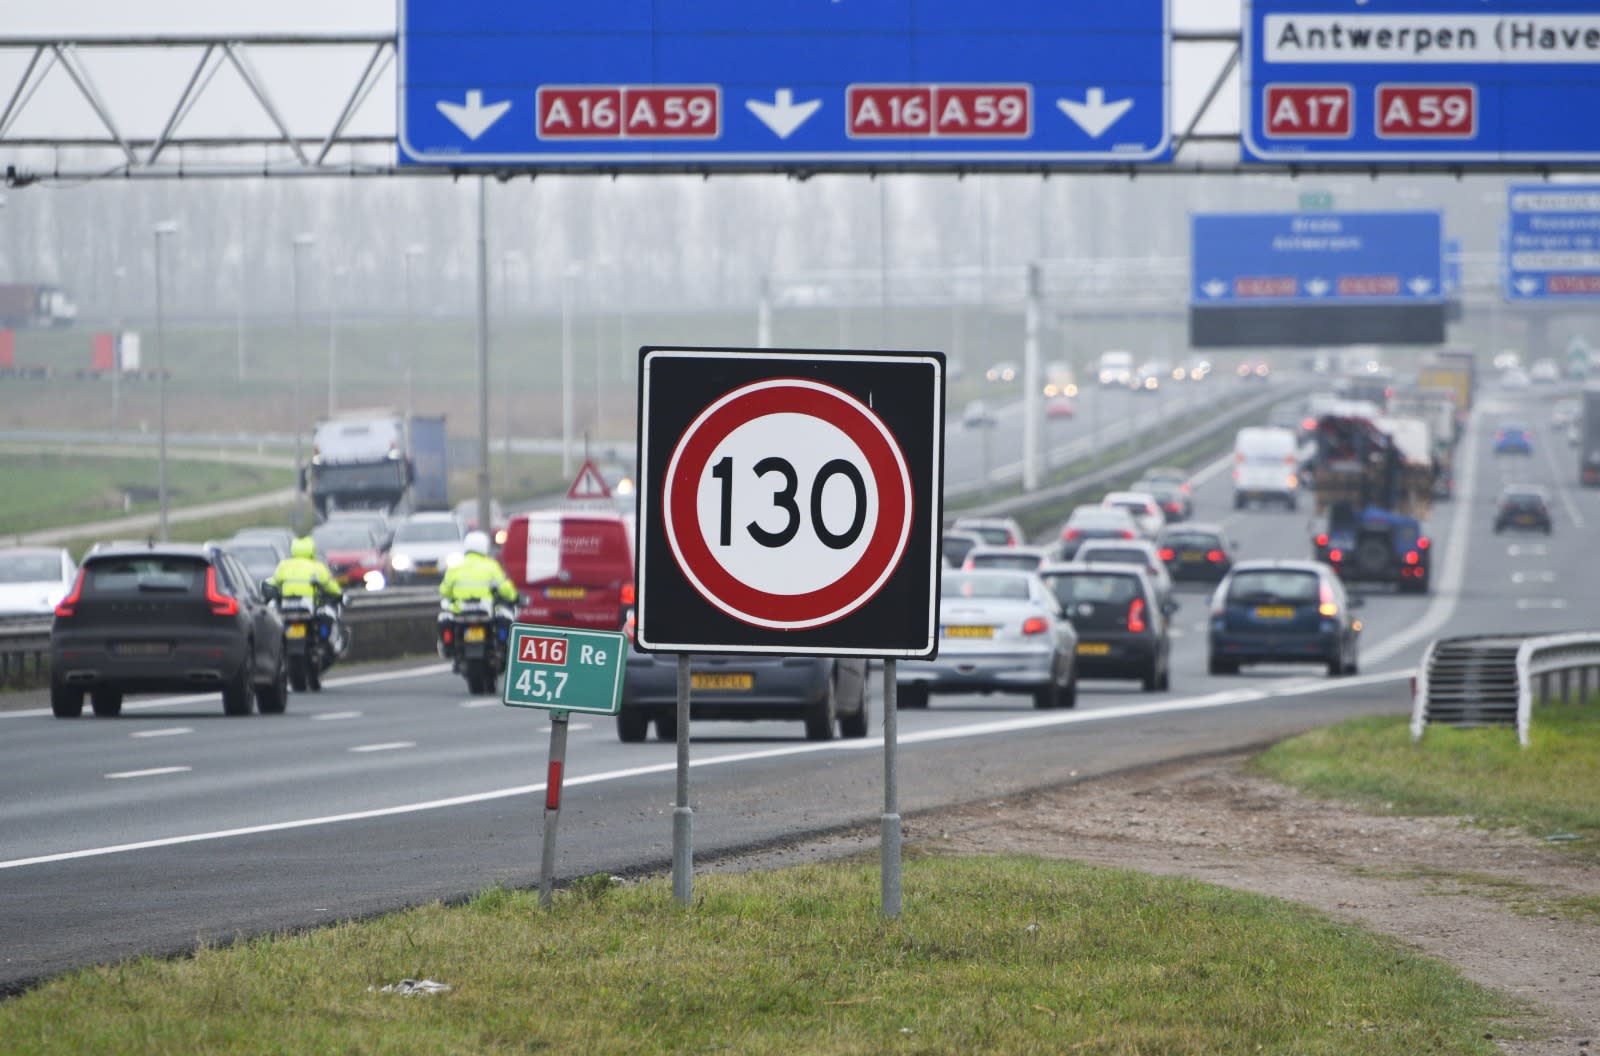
(790,501)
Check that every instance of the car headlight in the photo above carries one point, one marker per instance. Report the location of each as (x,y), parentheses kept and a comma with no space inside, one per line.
(452,560)
(402,562)
(374,580)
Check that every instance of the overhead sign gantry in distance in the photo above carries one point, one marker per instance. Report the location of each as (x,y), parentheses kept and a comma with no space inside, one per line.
(632,84)
(790,501)
(1316,279)
(1553,242)
(1422,81)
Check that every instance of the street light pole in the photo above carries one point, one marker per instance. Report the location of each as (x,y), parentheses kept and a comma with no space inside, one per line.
(304,240)
(413,251)
(164,228)
(333,339)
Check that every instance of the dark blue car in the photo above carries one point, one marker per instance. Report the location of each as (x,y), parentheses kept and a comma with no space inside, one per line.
(1513,440)
(1271,612)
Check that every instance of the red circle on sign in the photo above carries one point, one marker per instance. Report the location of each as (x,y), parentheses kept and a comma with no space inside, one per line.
(889,477)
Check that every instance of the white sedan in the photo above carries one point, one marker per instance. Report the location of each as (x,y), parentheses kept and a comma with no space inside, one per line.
(34,579)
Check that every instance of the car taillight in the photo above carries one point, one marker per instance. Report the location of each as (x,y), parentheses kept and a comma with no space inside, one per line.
(1322,539)
(1136,615)
(1070,534)
(627,594)
(627,625)
(1325,604)
(1423,543)
(221,604)
(1335,556)
(1124,534)
(1165,553)
(1412,558)
(65,607)
(1214,556)
(967,565)
(1035,625)
(1172,507)
(1309,425)
(1185,488)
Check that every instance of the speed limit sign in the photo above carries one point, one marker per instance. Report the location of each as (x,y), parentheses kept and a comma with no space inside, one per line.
(789,501)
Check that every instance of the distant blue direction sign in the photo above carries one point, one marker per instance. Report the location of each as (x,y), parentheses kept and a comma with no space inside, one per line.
(782,83)
(1327,258)
(1553,242)
(1421,80)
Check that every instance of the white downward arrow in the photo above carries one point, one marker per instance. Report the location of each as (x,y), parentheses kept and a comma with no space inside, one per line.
(473,118)
(783,115)
(1215,288)
(1420,285)
(1527,286)
(1094,115)
(1316,287)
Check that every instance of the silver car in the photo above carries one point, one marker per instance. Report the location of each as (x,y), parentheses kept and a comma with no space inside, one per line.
(999,632)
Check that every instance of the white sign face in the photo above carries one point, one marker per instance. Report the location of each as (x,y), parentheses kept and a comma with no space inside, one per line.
(789,503)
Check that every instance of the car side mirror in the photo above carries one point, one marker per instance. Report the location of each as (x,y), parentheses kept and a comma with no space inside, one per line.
(269,590)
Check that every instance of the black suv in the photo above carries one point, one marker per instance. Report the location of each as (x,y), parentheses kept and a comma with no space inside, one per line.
(165,618)
(1525,507)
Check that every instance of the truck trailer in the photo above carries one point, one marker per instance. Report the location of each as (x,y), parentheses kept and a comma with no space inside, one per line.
(1375,491)
(24,304)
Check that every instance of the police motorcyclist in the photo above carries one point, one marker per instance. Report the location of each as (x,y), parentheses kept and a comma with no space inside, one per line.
(477,576)
(303,575)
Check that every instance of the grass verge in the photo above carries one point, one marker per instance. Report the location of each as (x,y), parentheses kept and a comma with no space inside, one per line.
(1551,789)
(992,954)
(47,490)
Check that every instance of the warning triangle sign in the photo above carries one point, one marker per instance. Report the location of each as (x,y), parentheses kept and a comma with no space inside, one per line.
(589,484)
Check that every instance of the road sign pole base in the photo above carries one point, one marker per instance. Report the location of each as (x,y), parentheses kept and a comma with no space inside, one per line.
(552,807)
(889,837)
(682,855)
(889,820)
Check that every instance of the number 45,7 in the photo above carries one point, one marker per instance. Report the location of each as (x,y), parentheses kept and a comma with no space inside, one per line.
(534,684)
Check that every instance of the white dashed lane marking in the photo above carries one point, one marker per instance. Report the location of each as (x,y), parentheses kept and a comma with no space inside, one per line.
(155,772)
(171,731)
(391,746)
(332,715)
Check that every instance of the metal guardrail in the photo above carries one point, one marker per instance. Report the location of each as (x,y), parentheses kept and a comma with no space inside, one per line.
(1495,680)
(391,623)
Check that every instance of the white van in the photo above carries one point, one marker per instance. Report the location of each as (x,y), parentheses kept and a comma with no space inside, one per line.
(1266,466)
(1115,369)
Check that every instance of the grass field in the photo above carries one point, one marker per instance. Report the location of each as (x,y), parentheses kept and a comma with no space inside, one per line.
(50,490)
(991,954)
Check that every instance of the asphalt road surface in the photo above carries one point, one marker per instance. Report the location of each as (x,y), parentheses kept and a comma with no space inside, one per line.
(392,787)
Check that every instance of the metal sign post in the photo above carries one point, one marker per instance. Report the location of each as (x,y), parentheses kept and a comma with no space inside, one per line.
(560,670)
(682,813)
(552,806)
(889,824)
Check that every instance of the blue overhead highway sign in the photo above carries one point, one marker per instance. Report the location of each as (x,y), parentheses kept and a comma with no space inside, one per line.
(796,84)
(1265,258)
(1425,81)
(1553,242)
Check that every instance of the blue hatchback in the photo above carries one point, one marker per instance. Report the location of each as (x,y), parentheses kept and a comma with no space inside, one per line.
(1513,440)
(1282,612)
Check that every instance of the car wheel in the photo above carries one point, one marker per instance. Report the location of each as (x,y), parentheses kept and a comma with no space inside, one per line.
(820,722)
(273,698)
(667,727)
(66,702)
(236,698)
(855,723)
(911,695)
(1047,696)
(1336,666)
(1068,697)
(107,703)
(297,673)
(632,726)
(1355,660)
(1151,682)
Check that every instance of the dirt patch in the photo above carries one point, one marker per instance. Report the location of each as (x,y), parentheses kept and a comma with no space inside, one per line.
(1478,900)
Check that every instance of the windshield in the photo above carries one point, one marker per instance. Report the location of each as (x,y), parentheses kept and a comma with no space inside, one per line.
(1116,554)
(428,532)
(1266,587)
(153,574)
(1193,541)
(374,476)
(963,585)
(1020,562)
(1101,518)
(1072,588)
(30,568)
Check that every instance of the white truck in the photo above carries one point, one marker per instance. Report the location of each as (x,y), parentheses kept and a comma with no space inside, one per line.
(359,461)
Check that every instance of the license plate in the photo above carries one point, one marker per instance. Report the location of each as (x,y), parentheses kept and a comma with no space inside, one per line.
(295,630)
(1275,612)
(565,593)
(1523,518)
(1191,555)
(475,634)
(142,648)
(1094,648)
(720,680)
(969,632)
(427,570)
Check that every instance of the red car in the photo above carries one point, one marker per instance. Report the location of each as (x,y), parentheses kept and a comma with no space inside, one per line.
(1060,407)
(353,551)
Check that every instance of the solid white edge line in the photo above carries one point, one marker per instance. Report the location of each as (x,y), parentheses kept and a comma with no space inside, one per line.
(1212,700)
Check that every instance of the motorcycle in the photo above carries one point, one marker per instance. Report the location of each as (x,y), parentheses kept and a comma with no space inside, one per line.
(313,638)
(475,641)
